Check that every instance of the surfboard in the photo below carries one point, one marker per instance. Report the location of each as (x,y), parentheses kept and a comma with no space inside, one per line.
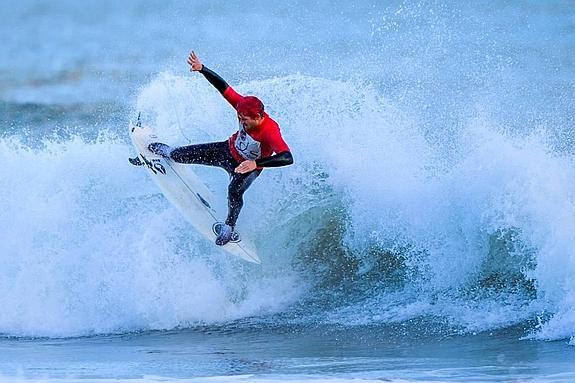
(186,191)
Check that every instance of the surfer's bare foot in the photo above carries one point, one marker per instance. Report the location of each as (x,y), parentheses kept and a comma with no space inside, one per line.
(225,234)
(159,149)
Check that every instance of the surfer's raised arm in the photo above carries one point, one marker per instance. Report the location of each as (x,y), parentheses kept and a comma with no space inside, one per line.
(196,66)
(219,83)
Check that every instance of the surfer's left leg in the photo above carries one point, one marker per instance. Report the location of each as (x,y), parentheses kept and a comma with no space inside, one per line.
(238,185)
(212,154)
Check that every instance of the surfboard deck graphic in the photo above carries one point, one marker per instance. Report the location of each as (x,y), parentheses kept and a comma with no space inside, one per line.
(185,190)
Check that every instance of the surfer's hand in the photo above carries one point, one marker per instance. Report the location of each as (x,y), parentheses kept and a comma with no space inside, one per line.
(246,167)
(194,62)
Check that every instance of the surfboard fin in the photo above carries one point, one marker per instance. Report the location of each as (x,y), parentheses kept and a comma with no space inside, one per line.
(136,161)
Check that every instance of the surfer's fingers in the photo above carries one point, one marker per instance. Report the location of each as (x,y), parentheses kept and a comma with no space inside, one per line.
(194,61)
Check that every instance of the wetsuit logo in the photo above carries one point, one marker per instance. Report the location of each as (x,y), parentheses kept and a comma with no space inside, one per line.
(248,148)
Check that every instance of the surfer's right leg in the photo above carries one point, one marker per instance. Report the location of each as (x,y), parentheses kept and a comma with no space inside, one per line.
(238,185)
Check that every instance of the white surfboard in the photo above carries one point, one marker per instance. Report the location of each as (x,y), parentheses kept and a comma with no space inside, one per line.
(182,187)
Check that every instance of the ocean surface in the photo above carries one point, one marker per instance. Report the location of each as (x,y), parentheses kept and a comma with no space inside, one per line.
(425,233)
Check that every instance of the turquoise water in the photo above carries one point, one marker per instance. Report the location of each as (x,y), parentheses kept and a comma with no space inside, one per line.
(290,353)
(425,232)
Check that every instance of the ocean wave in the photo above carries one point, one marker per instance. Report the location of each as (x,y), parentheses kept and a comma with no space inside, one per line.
(375,223)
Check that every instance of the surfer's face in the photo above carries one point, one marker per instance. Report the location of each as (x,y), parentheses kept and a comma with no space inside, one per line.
(249,122)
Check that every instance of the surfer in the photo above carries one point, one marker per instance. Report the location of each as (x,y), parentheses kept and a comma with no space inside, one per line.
(257,144)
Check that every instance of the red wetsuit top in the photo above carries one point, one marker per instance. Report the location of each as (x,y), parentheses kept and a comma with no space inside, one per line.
(260,142)
(263,144)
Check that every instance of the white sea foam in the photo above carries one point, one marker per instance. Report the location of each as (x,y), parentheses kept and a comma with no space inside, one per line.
(90,246)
